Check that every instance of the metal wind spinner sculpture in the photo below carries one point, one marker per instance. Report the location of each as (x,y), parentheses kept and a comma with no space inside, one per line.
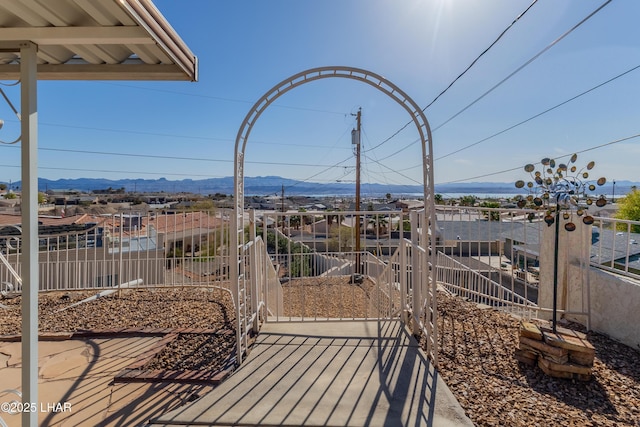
(561,187)
(557,188)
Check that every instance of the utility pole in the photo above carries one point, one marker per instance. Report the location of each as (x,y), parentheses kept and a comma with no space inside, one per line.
(355,139)
(613,197)
(282,206)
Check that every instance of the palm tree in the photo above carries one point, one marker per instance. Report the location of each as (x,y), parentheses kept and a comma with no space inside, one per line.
(294,222)
(379,223)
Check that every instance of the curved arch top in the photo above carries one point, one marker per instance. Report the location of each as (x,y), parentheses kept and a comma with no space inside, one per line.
(373,79)
(313,74)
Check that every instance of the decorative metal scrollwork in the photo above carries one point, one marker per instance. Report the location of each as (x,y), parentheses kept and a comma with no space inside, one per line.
(561,186)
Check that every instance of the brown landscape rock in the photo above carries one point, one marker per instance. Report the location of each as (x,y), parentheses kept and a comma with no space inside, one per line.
(477,362)
(476,349)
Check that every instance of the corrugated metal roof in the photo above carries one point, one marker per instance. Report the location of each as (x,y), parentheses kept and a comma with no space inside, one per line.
(93,40)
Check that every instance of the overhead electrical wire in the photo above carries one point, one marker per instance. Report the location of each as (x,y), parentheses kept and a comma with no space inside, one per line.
(202,138)
(617,141)
(375,161)
(319,173)
(520,68)
(119,171)
(556,41)
(200,95)
(199,159)
(382,173)
(539,114)
(335,165)
(501,82)
(462,73)
(535,116)
(528,62)
(480,56)
(396,171)
(393,170)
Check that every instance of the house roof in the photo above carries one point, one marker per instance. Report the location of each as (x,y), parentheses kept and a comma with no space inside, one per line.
(93,40)
(10,225)
(183,221)
(16,219)
(609,245)
(486,231)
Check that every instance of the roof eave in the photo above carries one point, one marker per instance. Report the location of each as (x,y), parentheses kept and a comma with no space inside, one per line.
(149,17)
(172,61)
(139,71)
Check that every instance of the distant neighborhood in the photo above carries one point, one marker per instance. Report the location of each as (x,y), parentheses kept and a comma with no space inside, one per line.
(110,200)
(72,202)
(270,185)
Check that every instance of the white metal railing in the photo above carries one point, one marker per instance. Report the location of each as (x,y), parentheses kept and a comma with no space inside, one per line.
(284,275)
(314,252)
(256,275)
(405,292)
(392,294)
(616,246)
(191,248)
(501,245)
(508,240)
(6,286)
(87,253)
(323,279)
(475,286)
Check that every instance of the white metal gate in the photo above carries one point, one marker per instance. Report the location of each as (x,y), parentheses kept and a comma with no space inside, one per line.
(374,80)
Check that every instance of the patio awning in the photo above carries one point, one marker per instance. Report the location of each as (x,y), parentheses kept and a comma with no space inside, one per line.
(93,40)
(73,40)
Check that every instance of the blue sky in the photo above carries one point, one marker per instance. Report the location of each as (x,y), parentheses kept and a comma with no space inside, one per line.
(181,130)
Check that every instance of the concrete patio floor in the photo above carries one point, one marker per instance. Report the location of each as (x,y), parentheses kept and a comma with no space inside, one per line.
(360,373)
(77,388)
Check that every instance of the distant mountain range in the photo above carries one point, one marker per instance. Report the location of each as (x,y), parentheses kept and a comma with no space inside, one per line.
(273,185)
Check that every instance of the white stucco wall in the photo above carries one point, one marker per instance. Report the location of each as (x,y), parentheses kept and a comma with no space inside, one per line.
(613,301)
(615,307)
(573,250)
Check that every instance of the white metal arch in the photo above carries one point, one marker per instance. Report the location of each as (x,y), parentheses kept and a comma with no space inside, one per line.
(313,74)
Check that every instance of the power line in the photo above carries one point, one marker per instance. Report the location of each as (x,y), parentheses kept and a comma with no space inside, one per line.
(201,138)
(540,114)
(219,98)
(118,171)
(366,137)
(481,54)
(536,56)
(535,116)
(462,73)
(336,165)
(520,68)
(157,156)
(392,170)
(567,155)
(319,173)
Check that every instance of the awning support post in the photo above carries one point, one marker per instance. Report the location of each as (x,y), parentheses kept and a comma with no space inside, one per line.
(29,204)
